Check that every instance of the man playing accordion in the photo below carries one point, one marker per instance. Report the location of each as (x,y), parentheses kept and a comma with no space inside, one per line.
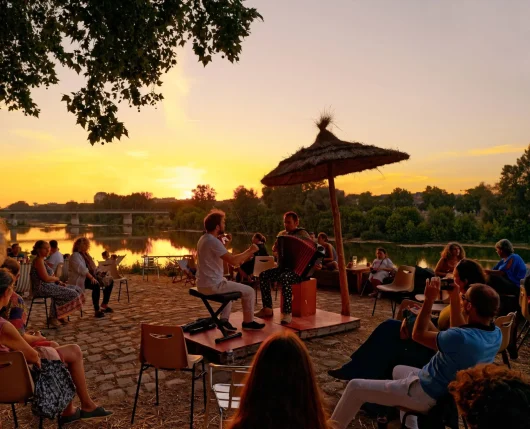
(285,276)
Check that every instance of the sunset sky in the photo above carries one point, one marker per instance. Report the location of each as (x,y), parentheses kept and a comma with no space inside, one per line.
(448,82)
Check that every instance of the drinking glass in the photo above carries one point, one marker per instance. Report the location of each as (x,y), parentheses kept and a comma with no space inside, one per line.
(354,261)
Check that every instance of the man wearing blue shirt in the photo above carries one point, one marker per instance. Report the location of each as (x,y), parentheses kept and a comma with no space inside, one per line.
(472,339)
(506,275)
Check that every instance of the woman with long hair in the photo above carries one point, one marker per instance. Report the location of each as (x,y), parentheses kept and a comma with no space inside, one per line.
(452,254)
(281,391)
(66,298)
(381,268)
(82,271)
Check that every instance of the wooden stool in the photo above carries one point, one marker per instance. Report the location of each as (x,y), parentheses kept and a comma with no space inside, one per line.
(304,298)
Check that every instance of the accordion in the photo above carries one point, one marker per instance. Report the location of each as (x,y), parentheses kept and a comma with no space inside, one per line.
(297,255)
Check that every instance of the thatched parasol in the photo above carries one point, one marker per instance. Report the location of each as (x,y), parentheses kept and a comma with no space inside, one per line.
(325,159)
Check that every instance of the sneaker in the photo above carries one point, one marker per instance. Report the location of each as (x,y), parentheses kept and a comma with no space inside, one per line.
(286,318)
(228,326)
(99,314)
(264,313)
(252,326)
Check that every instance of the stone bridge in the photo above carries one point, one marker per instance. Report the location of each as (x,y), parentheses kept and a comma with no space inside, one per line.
(127,214)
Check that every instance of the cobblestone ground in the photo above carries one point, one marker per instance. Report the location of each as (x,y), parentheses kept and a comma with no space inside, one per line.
(110,346)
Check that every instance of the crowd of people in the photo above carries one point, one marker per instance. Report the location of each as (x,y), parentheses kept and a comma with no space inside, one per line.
(412,362)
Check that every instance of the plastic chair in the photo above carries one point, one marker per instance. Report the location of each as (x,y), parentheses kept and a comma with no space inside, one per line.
(525,311)
(189,277)
(149,263)
(402,286)
(164,347)
(505,325)
(110,266)
(14,373)
(59,270)
(227,395)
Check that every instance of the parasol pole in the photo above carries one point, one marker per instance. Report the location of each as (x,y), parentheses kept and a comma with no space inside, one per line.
(344,295)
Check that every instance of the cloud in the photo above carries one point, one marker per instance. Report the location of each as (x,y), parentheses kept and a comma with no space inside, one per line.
(138,154)
(494,150)
(34,135)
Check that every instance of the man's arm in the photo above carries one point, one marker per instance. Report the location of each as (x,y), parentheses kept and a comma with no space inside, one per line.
(236,260)
(421,332)
(456,317)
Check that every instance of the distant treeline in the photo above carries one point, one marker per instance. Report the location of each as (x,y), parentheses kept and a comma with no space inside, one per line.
(481,214)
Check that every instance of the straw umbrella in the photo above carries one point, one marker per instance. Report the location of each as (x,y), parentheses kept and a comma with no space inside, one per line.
(325,159)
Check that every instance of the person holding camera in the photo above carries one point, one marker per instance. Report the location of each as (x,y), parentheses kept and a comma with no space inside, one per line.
(381,268)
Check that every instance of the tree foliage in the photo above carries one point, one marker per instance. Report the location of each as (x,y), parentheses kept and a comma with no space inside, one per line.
(436,197)
(203,193)
(399,198)
(120,47)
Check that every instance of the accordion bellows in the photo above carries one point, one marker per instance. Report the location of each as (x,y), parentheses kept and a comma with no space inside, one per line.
(296,254)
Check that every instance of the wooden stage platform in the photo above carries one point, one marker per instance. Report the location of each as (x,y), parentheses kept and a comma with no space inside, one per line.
(321,324)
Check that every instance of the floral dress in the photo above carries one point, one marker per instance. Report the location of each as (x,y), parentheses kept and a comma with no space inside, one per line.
(66,299)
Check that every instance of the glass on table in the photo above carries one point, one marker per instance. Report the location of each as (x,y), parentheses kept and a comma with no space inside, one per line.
(354,261)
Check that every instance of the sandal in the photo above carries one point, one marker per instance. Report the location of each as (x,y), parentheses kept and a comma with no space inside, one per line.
(97,413)
(64,420)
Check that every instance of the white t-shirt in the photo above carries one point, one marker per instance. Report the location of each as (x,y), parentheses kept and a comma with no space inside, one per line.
(210,265)
(55,259)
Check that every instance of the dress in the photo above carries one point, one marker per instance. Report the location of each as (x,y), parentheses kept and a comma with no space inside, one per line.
(16,313)
(66,299)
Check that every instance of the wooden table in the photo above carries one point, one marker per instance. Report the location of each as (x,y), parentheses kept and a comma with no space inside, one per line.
(357,272)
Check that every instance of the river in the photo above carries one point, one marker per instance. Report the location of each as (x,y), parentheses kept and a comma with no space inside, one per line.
(135,242)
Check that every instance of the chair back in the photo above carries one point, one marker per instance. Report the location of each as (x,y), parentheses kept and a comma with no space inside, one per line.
(64,275)
(523,303)
(505,325)
(149,262)
(24,286)
(163,347)
(263,263)
(228,395)
(404,278)
(111,268)
(59,269)
(14,373)
(119,259)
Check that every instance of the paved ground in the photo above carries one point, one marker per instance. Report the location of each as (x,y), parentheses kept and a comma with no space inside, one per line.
(110,346)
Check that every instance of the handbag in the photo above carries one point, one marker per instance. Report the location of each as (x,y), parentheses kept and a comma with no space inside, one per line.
(54,389)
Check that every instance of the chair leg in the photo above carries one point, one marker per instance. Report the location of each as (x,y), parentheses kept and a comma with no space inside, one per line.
(393,305)
(192,395)
(375,303)
(506,359)
(137,392)
(41,423)
(156,385)
(127,289)
(204,385)
(29,314)
(14,415)
(119,293)
(46,309)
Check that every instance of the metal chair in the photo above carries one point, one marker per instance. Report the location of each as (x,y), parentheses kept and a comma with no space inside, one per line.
(505,325)
(227,395)
(149,264)
(402,286)
(45,302)
(164,347)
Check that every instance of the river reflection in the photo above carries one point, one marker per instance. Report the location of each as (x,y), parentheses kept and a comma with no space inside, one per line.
(135,242)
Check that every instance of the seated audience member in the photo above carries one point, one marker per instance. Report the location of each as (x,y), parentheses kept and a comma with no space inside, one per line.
(492,397)
(391,343)
(380,269)
(286,277)
(462,346)
(330,261)
(82,272)
(452,254)
(55,257)
(247,268)
(105,255)
(71,355)
(67,299)
(312,236)
(15,253)
(281,396)
(210,280)
(16,312)
(506,275)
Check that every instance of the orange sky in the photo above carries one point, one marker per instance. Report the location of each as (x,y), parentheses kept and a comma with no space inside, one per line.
(447,82)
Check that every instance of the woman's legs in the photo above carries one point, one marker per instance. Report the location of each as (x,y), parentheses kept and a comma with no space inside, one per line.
(375,282)
(72,356)
(96,293)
